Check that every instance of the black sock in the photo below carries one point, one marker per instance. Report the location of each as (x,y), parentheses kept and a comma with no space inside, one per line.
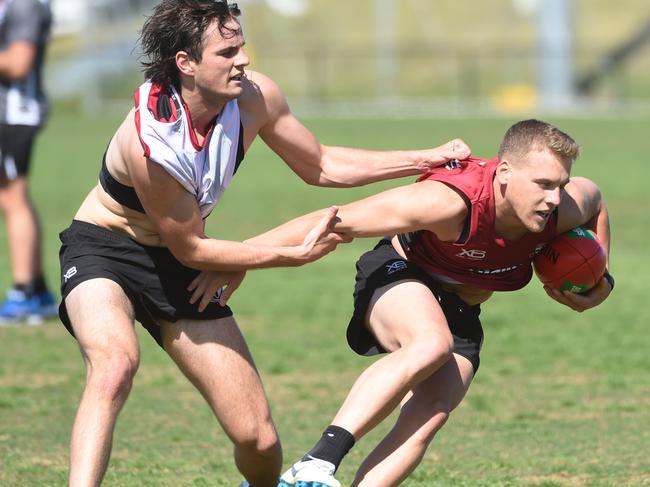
(24,288)
(333,445)
(35,286)
(38,285)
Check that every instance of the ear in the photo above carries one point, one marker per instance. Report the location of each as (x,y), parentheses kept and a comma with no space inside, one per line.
(503,172)
(184,63)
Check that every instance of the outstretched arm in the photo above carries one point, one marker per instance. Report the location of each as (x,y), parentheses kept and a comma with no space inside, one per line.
(208,282)
(177,218)
(428,205)
(583,205)
(333,166)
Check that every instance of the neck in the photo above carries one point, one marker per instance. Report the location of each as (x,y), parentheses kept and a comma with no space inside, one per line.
(202,111)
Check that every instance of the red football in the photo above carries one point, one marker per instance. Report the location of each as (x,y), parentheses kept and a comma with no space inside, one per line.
(573,261)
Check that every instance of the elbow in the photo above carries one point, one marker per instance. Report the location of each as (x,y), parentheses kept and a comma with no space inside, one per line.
(186,259)
(314,179)
(187,255)
(323,179)
(331,173)
(329,179)
(189,261)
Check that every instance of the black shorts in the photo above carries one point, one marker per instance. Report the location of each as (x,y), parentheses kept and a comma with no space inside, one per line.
(154,281)
(16,143)
(382,266)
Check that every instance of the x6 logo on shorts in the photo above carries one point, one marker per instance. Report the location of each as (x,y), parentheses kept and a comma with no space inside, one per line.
(69,273)
(398,265)
(473,254)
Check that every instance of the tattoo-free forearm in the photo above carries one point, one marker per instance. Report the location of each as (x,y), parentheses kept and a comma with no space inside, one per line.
(291,233)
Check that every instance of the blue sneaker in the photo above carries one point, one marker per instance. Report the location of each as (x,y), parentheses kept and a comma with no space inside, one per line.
(47,308)
(31,310)
(17,307)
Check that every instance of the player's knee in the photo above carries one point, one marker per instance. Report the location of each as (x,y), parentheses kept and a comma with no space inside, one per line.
(437,418)
(13,198)
(261,442)
(426,354)
(112,377)
(425,414)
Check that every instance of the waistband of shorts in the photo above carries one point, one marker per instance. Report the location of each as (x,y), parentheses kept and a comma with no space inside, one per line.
(105,233)
(430,278)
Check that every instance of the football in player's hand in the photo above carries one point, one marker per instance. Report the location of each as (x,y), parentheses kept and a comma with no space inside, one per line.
(573,261)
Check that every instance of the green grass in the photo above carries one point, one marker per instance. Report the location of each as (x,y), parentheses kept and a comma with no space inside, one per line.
(562,399)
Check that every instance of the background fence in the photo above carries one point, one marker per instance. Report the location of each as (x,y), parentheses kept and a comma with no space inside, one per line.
(388,58)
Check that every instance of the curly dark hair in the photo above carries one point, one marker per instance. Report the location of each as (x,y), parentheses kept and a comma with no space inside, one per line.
(179,25)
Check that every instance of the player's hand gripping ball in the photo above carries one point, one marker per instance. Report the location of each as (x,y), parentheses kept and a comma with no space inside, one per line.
(573,261)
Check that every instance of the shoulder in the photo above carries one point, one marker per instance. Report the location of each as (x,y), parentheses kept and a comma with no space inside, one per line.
(446,200)
(261,104)
(580,192)
(579,185)
(260,84)
(261,95)
(27,21)
(440,209)
(472,167)
(26,9)
(468,177)
(580,202)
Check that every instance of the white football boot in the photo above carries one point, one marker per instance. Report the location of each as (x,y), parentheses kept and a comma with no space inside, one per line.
(310,473)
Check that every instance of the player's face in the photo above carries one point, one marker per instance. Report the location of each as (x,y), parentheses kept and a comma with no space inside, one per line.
(535,187)
(221,69)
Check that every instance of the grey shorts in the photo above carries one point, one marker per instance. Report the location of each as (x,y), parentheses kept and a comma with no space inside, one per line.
(382,266)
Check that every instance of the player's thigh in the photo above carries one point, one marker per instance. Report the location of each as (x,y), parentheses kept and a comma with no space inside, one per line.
(214,356)
(405,310)
(102,318)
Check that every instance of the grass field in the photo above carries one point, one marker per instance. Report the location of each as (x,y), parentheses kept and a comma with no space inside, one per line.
(562,399)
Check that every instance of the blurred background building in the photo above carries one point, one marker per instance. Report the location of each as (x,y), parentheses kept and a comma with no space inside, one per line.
(404,58)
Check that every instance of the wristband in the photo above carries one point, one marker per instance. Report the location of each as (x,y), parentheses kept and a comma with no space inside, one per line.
(610,280)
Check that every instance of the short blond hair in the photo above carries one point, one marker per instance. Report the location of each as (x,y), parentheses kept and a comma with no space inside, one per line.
(529,135)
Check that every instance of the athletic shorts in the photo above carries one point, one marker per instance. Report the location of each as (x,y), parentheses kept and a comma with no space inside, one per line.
(154,281)
(16,142)
(382,266)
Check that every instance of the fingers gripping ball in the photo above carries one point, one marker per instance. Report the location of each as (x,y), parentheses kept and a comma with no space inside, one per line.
(573,261)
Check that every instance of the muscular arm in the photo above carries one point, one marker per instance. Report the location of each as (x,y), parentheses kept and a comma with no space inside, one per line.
(428,205)
(583,205)
(177,218)
(333,166)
